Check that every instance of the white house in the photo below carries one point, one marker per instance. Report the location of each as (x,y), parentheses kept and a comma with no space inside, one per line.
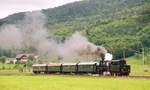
(10,60)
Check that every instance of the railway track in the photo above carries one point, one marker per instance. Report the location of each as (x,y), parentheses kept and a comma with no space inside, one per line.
(131,77)
(136,77)
(99,76)
(139,77)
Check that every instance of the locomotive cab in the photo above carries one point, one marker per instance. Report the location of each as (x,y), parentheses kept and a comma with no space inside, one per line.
(119,67)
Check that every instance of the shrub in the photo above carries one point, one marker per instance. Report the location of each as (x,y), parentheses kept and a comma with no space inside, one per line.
(3,68)
(20,69)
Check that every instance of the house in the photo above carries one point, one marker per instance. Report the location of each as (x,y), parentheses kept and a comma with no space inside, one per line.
(10,60)
(24,57)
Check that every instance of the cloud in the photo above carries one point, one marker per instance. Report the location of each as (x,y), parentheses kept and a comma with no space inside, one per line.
(8,7)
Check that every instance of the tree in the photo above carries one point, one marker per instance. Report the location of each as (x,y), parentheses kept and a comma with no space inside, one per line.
(31,58)
(144,36)
(2,59)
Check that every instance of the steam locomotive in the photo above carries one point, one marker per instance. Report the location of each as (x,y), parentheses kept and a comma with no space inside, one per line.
(113,67)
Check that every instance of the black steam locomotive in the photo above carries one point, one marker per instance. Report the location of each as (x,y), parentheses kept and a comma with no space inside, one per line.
(114,67)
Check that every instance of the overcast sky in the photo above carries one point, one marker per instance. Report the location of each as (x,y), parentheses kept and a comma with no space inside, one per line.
(8,7)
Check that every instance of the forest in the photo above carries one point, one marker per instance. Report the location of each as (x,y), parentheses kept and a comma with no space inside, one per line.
(117,25)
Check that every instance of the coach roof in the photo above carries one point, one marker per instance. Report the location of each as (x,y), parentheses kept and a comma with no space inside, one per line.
(69,63)
(35,65)
(87,63)
(53,64)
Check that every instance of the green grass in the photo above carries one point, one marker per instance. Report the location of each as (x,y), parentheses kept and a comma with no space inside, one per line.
(14,67)
(136,63)
(14,72)
(7,66)
(14,80)
(147,74)
(61,82)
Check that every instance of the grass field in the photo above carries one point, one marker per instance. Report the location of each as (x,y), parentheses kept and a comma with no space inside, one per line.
(64,82)
(15,80)
(7,66)
(136,64)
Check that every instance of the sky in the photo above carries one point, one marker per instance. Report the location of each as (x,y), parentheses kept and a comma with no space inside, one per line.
(8,7)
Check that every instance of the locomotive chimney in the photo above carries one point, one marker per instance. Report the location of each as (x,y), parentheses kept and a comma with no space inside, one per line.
(102,53)
(102,56)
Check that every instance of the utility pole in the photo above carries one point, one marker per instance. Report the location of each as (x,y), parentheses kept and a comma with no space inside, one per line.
(124,54)
(143,59)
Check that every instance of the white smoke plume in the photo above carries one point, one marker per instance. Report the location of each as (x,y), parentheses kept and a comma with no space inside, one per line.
(31,32)
(108,57)
(78,47)
(10,37)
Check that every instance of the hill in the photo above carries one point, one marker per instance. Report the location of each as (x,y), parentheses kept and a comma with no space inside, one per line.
(85,8)
(113,24)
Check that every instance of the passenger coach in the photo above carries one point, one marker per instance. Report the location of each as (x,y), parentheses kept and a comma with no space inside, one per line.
(114,67)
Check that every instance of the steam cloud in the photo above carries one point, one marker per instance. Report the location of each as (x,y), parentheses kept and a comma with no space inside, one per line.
(31,32)
(10,37)
(78,47)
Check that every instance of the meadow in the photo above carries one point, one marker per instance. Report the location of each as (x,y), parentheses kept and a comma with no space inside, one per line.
(137,63)
(68,82)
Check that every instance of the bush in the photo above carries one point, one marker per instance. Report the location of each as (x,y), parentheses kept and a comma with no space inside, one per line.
(20,69)
(2,59)
(9,68)
(31,58)
(11,62)
(15,67)
(3,68)
(137,56)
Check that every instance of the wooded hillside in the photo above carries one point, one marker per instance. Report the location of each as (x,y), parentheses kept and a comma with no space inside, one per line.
(114,24)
